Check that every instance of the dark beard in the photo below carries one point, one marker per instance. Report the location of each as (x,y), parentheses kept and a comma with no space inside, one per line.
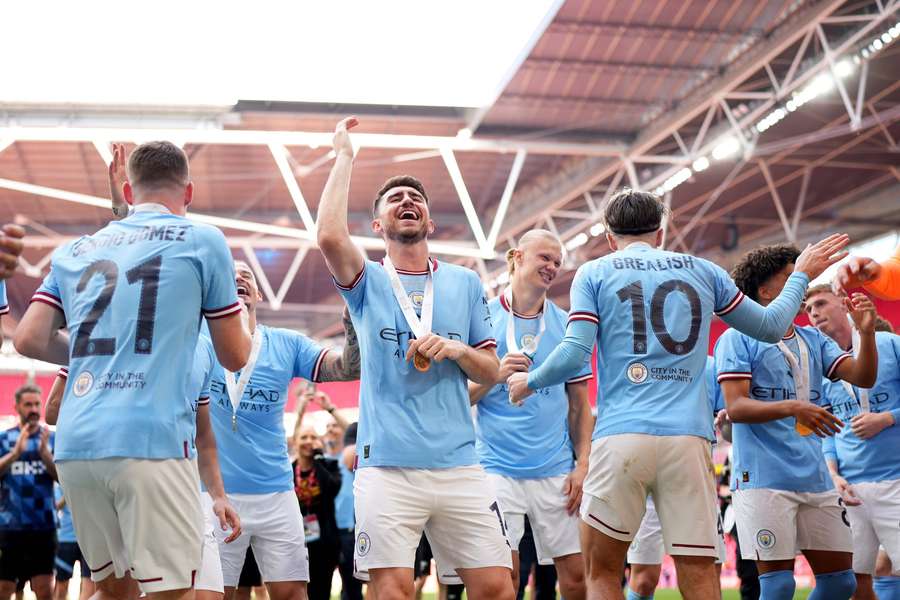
(407,238)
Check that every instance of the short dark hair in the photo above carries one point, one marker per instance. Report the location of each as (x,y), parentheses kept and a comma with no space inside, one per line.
(158,164)
(633,212)
(28,388)
(395,181)
(758,266)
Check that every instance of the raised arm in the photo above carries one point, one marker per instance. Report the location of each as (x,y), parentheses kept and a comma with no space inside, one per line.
(343,258)
(117,179)
(770,323)
(861,370)
(343,366)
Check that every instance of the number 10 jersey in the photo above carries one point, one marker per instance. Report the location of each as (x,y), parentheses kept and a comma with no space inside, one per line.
(653,310)
(132,296)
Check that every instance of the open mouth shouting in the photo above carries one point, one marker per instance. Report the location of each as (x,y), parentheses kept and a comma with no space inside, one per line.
(408,215)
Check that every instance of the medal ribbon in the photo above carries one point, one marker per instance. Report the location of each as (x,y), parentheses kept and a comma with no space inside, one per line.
(236,389)
(420,327)
(511,345)
(799,371)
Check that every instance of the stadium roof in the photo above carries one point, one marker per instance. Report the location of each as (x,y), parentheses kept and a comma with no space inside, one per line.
(758,121)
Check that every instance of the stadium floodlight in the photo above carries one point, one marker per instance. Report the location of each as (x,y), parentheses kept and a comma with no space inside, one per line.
(844,68)
(701,164)
(577,241)
(597,229)
(726,148)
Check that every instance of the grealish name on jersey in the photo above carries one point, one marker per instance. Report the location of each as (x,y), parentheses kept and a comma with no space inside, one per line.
(667,263)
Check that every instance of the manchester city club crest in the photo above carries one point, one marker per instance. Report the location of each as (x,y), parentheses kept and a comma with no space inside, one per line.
(637,372)
(363,543)
(83,384)
(765,539)
(416,298)
(528,345)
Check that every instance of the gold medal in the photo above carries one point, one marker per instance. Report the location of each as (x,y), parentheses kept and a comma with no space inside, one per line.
(421,362)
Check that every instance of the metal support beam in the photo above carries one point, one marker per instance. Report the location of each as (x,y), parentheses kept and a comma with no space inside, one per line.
(511,181)
(842,89)
(801,200)
(281,154)
(464,198)
(776,199)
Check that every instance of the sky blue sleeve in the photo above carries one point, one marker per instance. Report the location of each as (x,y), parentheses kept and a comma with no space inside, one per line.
(828,448)
(713,391)
(4,303)
(308,356)
(569,358)
(481,332)
(895,343)
(355,292)
(769,323)
(208,362)
(832,356)
(219,291)
(48,292)
(732,357)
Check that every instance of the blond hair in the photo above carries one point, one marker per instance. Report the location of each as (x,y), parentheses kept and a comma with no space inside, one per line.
(528,237)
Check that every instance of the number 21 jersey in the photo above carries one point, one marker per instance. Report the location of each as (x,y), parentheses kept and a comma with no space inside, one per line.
(132,295)
(653,309)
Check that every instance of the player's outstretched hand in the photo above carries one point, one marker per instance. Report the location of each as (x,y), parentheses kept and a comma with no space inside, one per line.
(868,425)
(854,273)
(518,388)
(817,419)
(514,362)
(11,246)
(862,311)
(117,179)
(846,491)
(572,488)
(228,518)
(819,256)
(341,141)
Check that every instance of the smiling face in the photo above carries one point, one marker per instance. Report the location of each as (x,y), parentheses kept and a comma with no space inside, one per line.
(537,261)
(247,290)
(402,216)
(306,441)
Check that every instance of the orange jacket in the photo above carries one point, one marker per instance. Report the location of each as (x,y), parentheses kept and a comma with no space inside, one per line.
(887,285)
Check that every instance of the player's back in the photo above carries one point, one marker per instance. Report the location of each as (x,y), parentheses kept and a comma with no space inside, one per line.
(132,295)
(654,309)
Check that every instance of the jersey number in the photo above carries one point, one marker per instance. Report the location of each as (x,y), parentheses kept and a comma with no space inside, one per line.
(634,293)
(147,273)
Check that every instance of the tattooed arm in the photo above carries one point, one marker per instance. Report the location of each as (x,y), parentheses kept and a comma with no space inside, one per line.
(343,367)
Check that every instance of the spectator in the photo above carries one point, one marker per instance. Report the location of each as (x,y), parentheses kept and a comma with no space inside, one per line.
(317,481)
(27,508)
(333,440)
(351,587)
(67,554)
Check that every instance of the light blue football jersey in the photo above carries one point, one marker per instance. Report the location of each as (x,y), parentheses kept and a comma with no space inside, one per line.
(409,418)
(773,455)
(713,390)
(874,459)
(133,295)
(4,302)
(531,440)
(254,459)
(653,309)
